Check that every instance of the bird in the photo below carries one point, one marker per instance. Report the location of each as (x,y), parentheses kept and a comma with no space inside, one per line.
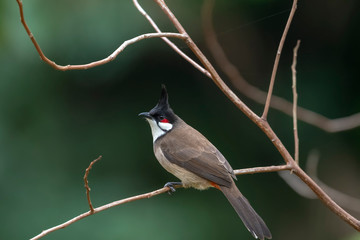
(192,158)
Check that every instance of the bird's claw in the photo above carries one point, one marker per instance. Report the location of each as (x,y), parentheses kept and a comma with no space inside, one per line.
(171,187)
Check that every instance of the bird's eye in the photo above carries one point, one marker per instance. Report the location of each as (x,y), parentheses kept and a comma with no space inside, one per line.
(161,117)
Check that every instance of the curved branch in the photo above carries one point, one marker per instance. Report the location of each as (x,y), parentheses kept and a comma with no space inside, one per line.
(100,209)
(171,44)
(259,96)
(87,183)
(142,196)
(110,58)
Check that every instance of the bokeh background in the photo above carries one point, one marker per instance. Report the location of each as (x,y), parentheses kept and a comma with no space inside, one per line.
(53,123)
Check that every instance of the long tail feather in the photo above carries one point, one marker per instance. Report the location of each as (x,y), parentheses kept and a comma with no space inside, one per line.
(250,218)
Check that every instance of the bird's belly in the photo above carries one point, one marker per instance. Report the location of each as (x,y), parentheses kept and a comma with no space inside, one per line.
(187,178)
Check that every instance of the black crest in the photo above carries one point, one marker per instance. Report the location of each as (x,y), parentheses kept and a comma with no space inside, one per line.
(163,104)
(164,98)
(163,108)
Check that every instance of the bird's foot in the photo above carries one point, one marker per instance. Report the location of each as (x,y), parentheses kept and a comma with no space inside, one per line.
(171,186)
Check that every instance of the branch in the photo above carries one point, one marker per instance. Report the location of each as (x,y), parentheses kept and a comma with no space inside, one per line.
(171,44)
(261,122)
(110,58)
(295,97)
(100,209)
(262,169)
(277,59)
(139,197)
(259,96)
(87,183)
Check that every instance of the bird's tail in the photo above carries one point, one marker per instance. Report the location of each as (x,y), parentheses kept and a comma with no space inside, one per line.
(250,218)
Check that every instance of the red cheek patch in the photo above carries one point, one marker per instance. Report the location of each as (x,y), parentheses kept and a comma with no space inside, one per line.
(164,120)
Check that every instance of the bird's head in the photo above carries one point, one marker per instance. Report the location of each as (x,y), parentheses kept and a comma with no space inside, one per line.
(161,118)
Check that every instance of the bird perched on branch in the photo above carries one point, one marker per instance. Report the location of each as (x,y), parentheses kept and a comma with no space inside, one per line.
(188,155)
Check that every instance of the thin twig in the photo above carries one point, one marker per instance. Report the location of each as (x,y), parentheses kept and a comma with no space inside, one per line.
(295,99)
(110,58)
(262,169)
(87,171)
(171,44)
(277,59)
(143,196)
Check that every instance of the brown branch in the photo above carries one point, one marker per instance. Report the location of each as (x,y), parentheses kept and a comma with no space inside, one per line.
(259,96)
(87,171)
(171,44)
(277,59)
(110,58)
(100,209)
(261,122)
(295,97)
(151,194)
(262,169)
(141,196)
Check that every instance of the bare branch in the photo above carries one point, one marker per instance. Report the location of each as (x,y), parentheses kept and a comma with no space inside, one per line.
(259,96)
(87,171)
(110,58)
(262,169)
(100,209)
(142,196)
(261,122)
(171,44)
(295,97)
(277,59)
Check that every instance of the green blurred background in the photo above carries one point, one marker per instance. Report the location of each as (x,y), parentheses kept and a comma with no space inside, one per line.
(53,123)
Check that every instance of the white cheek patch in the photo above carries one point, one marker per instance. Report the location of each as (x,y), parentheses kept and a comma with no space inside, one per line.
(165,126)
(155,129)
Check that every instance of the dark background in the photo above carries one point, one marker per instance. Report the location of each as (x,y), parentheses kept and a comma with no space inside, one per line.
(53,123)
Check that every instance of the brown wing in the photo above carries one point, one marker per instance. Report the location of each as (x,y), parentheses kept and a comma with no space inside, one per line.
(198,156)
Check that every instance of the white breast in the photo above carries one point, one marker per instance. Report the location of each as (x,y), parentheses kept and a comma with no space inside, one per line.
(188,179)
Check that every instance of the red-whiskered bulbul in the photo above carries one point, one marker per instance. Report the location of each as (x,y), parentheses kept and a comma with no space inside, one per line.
(188,155)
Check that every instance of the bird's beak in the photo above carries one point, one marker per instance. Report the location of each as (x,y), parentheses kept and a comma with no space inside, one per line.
(145,115)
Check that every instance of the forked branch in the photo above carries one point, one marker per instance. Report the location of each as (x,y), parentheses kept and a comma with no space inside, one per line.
(110,58)
(261,122)
(259,96)
(139,197)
